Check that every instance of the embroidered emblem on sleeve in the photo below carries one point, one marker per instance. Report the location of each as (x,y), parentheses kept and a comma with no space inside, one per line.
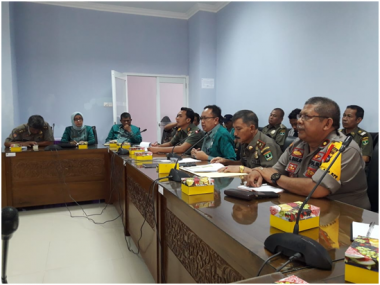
(268,155)
(365,141)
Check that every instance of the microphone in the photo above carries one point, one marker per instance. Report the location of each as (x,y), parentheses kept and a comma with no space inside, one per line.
(144,130)
(9,224)
(312,253)
(53,128)
(176,175)
(122,151)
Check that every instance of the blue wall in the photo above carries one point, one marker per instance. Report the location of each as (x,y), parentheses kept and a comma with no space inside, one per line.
(262,55)
(65,57)
(280,54)
(202,59)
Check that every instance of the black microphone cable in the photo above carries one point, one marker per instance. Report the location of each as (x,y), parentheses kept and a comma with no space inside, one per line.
(293,257)
(266,261)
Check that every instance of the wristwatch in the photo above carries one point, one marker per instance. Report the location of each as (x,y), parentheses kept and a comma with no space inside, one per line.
(275,177)
(241,168)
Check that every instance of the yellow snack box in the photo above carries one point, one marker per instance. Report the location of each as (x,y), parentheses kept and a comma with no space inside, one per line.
(83,146)
(145,155)
(362,261)
(197,185)
(284,216)
(165,167)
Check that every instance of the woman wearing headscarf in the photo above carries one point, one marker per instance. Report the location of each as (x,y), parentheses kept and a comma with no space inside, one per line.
(78,132)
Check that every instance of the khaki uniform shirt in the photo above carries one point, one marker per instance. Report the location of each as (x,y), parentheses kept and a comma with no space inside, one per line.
(363,139)
(191,135)
(278,133)
(346,179)
(21,133)
(261,151)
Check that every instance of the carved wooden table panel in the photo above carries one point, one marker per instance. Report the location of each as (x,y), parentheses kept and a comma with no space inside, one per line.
(47,177)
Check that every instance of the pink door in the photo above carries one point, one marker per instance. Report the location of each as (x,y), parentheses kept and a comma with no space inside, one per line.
(148,106)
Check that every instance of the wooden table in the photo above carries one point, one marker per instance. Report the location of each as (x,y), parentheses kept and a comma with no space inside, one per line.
(33,178)
(224,243)
(181,242)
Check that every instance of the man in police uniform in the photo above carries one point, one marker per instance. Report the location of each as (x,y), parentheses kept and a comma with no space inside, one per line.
(275,129)
(187,135)
(351,119)
(35,132)
(125,131)
(257,149)
(304,162)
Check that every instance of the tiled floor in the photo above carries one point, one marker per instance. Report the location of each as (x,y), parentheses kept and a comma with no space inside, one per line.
(51,247)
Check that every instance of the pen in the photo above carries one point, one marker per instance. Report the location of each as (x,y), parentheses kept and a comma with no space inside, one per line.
(370,227)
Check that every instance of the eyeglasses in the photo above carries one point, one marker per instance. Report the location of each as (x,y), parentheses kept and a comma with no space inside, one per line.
(304,117)
(205,118)
(78,120)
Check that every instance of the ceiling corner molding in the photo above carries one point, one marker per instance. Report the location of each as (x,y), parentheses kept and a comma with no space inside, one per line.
(140,11)
(119,9)
(205,7)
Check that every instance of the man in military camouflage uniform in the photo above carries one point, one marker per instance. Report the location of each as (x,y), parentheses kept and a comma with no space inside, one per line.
(257,149)
(187,135)
(275,129)
(304,162)
(35,132)
(351,119)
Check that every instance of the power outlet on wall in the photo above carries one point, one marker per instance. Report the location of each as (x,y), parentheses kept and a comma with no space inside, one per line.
(107,104)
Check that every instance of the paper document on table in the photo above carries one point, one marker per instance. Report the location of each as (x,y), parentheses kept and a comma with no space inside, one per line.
(183,160)
(262,188)
(212,167)
(217,174)
(361,229)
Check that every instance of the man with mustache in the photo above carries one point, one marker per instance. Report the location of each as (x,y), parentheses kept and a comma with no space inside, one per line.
(304,162)
(351,119)
(257,149)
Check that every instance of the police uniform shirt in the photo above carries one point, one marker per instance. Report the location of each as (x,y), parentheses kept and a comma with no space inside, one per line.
(191,135)
(363,139)
(278,133)
(22,133)
(346,179)
(261,151)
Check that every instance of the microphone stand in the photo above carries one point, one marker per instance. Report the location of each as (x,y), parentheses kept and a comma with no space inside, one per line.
(174,155)
(9,224)
(313,254)
(176,175)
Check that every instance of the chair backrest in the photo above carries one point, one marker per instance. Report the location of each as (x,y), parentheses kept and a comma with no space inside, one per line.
(95,134)
(373,180)
(288,141)
(375,137)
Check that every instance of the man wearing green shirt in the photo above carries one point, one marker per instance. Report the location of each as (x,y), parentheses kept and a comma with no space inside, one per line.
(125,131)
(219,142)
(186,136)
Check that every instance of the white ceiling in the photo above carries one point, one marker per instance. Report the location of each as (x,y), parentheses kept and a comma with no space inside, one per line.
(178,10)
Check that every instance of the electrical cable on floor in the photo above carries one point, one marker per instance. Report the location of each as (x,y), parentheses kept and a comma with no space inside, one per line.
(61,175)
(266,261)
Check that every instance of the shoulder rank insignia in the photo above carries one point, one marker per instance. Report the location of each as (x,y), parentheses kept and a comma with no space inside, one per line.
(362,133)
(260,144)
(353,134)
(365,141)
(178,129)
(188,129)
